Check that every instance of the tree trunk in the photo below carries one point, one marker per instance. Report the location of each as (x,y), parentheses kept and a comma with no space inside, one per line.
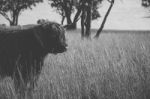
(62,21)
(68,16)
(74,25)
(11,23)
(83,23)
(88,19)
(67,10)
(104,20)
(76,18)
(14,21)
(17,17)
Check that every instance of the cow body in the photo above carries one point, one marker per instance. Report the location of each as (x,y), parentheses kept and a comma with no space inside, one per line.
(23,49)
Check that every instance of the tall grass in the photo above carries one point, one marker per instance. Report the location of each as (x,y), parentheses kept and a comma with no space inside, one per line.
(116,66)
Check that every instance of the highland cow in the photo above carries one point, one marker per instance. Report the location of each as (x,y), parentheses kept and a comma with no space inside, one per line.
(23,49)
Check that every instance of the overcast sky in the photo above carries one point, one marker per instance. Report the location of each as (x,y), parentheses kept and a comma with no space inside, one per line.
(126,14)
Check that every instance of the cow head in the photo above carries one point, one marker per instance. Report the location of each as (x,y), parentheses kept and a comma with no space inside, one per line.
(52,37)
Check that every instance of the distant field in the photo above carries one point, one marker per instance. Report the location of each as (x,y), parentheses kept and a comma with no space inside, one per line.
(116,66)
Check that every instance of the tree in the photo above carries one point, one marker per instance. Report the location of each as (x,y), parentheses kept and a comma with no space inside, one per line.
(146,3)
(105,18)
(88,18)
(64,8)
(87,10)
(11,9)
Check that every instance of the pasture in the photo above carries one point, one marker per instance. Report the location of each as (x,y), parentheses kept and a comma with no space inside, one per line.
(115,66)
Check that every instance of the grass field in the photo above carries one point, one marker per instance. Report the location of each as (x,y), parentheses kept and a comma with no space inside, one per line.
(116,66)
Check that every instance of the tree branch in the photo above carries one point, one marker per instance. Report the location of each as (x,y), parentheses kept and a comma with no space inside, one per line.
(104,20)
(5,16)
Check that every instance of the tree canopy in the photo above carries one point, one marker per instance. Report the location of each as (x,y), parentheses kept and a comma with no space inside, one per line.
(66,7)
(11,9)
(146,3)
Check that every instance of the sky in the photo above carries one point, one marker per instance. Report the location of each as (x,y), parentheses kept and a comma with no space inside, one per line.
(125,14)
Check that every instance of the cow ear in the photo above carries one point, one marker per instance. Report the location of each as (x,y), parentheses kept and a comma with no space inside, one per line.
(39,37)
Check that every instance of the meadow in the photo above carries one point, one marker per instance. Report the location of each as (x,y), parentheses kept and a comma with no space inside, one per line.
(115,66)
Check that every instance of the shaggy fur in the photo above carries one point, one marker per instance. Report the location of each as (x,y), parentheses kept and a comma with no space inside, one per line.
(23,48)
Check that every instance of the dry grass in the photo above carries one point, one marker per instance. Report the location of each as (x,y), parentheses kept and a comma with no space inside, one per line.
(116,66)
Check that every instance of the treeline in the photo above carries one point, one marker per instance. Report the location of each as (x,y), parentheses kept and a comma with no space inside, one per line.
(85,10)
